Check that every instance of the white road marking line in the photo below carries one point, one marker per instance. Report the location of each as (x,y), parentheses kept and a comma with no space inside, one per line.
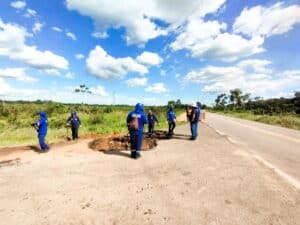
(268,132)
(293,181)
(220,133)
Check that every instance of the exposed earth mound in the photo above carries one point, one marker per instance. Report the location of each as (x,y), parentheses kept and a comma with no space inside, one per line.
(122,142)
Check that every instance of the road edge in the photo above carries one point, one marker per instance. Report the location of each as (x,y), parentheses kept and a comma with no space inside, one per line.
(283,175)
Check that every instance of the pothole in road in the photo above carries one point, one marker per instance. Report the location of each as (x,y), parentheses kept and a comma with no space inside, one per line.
(119,142)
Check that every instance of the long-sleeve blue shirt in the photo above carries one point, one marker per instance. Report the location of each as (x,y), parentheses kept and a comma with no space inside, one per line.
(139,114)
(152,119)
(171,116)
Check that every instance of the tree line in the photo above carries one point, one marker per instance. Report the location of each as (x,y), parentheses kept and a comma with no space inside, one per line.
(179,105)
(236,100)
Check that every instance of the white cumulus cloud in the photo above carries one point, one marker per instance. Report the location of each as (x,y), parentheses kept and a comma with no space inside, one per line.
(18,4)
(70,75)
(137,82)
(16,73)
(209,41)
(149,59)
(138,17)
(71,35)
(267,21)
(255,76)
(37,27)
(54,72)
(157,88)
(99,90)
(12,45)
(30,13)
(4,87)
(79,56)
(196,31)
(100,35)
(101,64)
(57,29)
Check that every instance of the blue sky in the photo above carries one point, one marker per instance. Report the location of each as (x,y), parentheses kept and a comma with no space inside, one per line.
(148,51)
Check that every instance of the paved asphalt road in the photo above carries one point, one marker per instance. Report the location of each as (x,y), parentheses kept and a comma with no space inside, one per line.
(210,181)
(276,145)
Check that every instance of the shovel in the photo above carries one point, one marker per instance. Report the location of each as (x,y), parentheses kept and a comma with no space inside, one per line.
(68,127)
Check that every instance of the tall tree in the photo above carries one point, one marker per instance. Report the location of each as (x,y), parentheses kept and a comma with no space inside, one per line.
(245,97)
(258,98)
(236,97)
(297,102)
(221,101)
(171,103)
(178,102)
(83,89)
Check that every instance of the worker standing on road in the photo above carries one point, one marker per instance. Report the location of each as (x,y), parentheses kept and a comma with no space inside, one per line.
(152,119)
(42,126)
(171,117)
(199,109)
(188,110)
(135,122)
(74,121)
(194,119)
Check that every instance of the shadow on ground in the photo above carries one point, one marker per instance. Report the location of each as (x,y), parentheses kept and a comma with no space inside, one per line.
(10,162)
(34,148)
(117,153)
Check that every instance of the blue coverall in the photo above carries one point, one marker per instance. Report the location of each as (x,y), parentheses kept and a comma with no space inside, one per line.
(42,125)
(136,135)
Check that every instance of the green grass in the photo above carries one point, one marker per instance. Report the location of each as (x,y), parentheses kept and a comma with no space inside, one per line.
(287,120)
(16,130)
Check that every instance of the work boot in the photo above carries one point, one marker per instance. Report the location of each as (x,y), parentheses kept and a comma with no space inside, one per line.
(133,154)
(138,154)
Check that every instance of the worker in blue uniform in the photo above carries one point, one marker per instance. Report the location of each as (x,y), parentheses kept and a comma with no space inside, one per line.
(171,117)
(136,120)
(194,120)
(74,121)
(152,119)
(42,126)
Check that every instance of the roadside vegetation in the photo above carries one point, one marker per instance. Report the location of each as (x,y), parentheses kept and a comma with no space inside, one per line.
(284,112)
(16,117)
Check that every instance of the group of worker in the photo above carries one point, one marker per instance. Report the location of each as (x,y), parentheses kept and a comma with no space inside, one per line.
(41,127)
(136,120)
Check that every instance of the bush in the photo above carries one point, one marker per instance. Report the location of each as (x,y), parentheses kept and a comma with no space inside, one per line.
(92,129)
(2,125)
(56,122)
(108,110)
(96,119)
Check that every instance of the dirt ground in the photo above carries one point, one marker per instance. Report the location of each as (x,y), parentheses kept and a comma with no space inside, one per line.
(209,181)
(120,142)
